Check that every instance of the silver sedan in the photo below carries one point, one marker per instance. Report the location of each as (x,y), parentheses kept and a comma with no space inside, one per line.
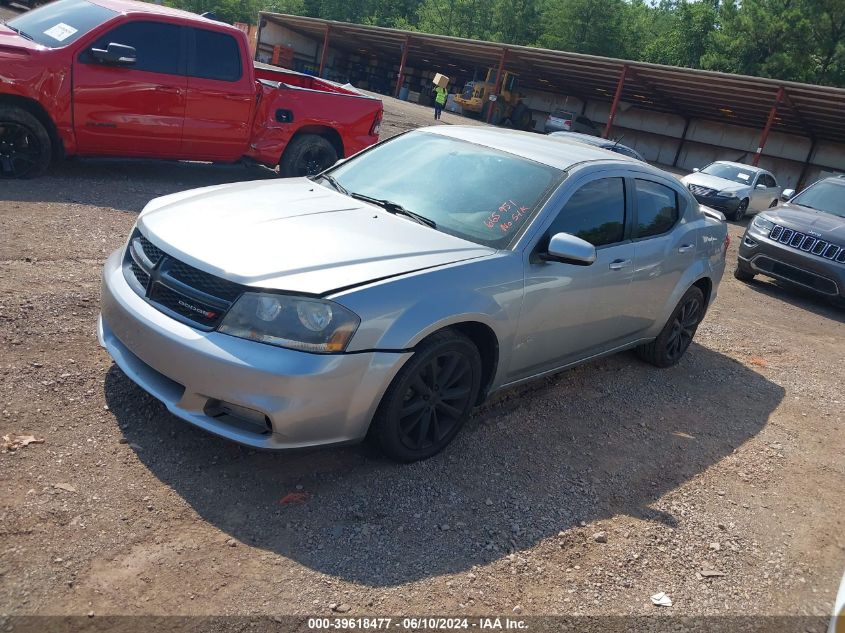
(390,295)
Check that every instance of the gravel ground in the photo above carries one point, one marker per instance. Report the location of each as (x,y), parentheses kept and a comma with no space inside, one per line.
(716,482)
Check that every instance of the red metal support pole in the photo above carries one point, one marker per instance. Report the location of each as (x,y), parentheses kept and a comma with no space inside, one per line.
(401,77)
(764,137)
(616,98)
(499,76)
(325,54)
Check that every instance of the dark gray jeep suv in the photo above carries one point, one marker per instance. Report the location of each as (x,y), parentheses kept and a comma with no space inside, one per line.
(801,241)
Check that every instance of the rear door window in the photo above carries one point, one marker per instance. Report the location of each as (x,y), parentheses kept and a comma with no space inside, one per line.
(595,213)
(657,209)
(158,46)
(215,56)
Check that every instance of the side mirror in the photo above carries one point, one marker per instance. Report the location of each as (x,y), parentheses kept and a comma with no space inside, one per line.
(695,169)
(115,54)
(569,249)
(761,186)
(787,194)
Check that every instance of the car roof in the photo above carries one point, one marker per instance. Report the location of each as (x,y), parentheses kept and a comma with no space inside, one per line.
(129,7)
(557,152)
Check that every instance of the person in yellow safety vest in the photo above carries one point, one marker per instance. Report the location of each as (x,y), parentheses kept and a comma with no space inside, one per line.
(439,101)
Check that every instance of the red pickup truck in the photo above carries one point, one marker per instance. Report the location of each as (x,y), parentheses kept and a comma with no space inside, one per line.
(125,78)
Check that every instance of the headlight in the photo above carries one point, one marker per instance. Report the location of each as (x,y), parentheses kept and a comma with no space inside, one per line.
(761,224)
(727,194)
(302,323)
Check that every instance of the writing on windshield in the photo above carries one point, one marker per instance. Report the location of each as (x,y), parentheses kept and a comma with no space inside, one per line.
(512,210)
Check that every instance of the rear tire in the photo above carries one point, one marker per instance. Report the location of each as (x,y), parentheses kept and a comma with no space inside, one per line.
(675,337)
(430,398)
(25,146)
(307,155)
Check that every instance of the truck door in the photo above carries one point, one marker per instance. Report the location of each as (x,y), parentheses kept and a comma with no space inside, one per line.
(221,97)
(135,109)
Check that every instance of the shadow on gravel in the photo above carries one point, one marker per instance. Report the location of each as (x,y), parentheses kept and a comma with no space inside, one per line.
(124,184)
(607,438)
(798,297)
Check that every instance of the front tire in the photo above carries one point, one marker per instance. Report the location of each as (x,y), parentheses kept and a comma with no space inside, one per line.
(307,155)
(742,274)
(430,398)
(740,210)
(675,337)
(25,147)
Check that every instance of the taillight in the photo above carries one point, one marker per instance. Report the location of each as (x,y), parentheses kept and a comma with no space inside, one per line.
(726,244)
(567,123)
(376,127)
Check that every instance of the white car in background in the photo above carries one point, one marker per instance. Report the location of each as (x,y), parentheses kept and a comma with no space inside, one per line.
(733,188)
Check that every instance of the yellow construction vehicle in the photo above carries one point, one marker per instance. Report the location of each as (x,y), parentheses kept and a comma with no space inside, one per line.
(507,106)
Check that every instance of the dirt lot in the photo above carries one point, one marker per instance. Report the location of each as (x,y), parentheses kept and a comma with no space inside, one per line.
(731,462)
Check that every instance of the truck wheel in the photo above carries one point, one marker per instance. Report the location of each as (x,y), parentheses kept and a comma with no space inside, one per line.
(307,155)
(25,146)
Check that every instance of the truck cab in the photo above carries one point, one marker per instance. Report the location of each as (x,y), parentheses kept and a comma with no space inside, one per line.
(125,78)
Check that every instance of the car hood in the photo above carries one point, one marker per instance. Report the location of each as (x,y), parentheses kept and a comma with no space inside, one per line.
(712,182)
(824,225)
(294,235)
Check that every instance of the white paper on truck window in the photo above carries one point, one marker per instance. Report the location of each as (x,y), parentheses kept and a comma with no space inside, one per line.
(60,32)
(744,176)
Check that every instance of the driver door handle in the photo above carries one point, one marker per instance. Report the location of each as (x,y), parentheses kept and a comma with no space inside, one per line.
(685,248)
(619,264)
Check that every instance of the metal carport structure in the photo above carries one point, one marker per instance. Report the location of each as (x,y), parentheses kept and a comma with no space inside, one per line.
(810,111)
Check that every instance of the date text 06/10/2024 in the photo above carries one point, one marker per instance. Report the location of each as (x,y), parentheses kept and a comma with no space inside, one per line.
(416,624)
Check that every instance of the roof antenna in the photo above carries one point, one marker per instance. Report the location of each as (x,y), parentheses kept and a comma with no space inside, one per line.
(211,15)
(616,142)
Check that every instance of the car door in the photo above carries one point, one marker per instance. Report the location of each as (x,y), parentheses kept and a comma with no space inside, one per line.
(770,193)
(135,109)
(665,247)
(760,196)
(221,97)
(569,311)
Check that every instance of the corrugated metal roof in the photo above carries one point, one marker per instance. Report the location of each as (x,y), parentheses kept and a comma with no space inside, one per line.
(806,110)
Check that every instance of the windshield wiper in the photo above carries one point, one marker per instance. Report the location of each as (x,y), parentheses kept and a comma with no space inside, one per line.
(26,36)
(332,181)
(395,208)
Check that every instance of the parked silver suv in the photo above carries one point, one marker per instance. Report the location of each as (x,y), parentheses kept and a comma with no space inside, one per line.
(393,293)
(801,242)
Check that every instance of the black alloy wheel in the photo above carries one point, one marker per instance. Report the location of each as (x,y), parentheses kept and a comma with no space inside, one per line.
(675,337)
(430,398)
(307,155)
(740,210)
(21,150)
(435,400)
(683,329)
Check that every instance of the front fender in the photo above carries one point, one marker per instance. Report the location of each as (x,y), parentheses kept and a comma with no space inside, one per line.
(398,313)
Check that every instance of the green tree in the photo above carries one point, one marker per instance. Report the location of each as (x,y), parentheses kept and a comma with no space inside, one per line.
(596,27)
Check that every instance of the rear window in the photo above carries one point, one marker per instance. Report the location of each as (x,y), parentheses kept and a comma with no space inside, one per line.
(60,23)
(562,114)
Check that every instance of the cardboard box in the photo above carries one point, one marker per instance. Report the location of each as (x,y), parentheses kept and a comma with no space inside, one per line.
(441,80)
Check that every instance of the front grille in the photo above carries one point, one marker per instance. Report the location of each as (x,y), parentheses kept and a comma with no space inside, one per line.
(153,252)
(698,190)
(142,277)
(204,282)
(176,288)
(807,243)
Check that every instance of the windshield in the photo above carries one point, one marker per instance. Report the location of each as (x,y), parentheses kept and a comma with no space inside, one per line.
(824,196)
(729,172)
(60,23)
(473,192)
